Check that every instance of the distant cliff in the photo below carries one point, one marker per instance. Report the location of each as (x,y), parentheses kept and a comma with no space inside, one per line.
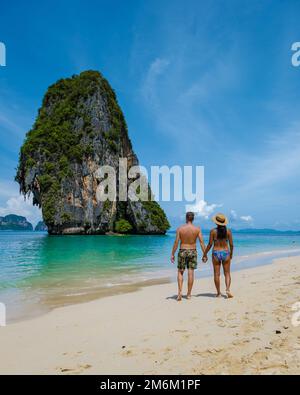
(79,128)
(14,222)
(41,227)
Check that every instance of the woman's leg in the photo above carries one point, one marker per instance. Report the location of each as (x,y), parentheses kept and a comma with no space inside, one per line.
(217,267)
(226,268)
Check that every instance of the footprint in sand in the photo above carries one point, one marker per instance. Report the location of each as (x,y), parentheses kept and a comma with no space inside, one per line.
(148,351)
(229,322)
(196,352)
(77,353)
(64,370)
(127,353)
(86,366)
(184,333)
(221,323)
(79,369)
(231,316)
(237,342)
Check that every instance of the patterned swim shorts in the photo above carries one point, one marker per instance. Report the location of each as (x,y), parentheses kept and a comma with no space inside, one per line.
(187,259)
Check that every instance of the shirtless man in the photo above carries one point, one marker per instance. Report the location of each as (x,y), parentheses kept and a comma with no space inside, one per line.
(187,257)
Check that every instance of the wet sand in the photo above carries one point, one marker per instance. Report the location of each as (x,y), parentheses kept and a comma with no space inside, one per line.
(149,332)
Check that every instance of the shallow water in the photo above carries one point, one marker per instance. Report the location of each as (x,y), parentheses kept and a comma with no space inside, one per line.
(39,272)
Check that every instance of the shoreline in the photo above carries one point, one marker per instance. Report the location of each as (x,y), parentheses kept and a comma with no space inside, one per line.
(52,303)
(148,332)
(124,289)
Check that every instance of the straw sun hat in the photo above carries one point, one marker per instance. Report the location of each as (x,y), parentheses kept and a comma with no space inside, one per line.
(220,219)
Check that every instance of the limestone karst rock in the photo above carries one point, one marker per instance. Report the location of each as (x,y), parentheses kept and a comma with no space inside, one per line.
(79,128)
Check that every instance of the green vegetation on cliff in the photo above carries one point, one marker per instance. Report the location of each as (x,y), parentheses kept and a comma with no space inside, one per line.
(157,216)
(123,226)
(53,134)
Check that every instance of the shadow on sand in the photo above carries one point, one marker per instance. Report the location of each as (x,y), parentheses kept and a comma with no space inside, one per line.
(209,295)
(174,297)
(203,295)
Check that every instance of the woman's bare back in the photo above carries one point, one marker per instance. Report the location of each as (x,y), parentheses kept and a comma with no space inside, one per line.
(220,244)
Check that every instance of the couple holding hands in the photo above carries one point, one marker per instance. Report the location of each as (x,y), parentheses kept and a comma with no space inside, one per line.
(220,239)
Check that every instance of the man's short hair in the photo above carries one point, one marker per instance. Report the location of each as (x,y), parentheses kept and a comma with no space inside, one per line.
(190,216)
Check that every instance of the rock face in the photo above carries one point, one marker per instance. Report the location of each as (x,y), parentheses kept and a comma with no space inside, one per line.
(14,222)
(80,127)
(41,227)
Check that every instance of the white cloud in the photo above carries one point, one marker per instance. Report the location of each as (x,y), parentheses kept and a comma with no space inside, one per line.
(233,215)
(17,205)
(202,208)
(246,218)
(237,219)
(156,68)
(8,189)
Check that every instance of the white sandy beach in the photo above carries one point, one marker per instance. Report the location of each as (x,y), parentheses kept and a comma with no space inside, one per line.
(148,332)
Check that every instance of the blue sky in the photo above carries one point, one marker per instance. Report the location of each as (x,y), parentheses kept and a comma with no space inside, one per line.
(201,83)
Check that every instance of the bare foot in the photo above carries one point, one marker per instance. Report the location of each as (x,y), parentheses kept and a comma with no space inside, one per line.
(179,298)
(229,294)
(218,295)
(189,297)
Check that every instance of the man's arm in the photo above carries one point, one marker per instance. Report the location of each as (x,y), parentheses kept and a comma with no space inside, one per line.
(208,247)
(175,246)
(200,237)
(230,243)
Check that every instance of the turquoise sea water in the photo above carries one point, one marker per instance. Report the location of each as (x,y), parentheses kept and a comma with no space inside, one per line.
(39,272)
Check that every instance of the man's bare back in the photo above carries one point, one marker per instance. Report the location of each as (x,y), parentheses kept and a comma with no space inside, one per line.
(188,235)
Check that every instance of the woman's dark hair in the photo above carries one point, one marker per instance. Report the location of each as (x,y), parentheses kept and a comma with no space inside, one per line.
(221,232)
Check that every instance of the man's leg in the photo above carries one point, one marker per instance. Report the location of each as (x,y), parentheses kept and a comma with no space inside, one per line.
(217,273)
(180,284)
(190,282)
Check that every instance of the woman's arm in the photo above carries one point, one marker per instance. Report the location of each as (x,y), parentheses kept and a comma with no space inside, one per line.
(230,243)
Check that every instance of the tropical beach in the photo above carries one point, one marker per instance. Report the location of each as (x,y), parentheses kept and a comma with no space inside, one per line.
(149,188)
(39,272)
(148,332)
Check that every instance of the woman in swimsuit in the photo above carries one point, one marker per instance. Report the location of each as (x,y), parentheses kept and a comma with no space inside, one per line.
(219,238)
